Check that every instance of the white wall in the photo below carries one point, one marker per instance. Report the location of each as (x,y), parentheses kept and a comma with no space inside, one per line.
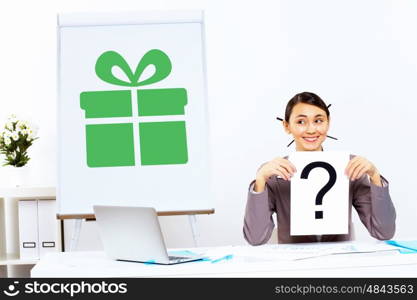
(361,56)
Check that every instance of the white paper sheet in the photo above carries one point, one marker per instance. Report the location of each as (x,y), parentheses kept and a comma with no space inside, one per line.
(334,205)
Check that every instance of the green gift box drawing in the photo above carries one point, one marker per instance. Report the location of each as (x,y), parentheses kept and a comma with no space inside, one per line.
(113,144)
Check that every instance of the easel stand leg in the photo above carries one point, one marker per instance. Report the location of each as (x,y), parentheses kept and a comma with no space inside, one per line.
(193,223)
(75,234)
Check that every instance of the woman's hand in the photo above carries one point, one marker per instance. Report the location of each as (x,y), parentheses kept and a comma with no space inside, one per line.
(358,166)
(278,166)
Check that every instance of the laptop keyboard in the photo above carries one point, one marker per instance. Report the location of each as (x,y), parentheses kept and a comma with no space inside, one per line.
(177,258)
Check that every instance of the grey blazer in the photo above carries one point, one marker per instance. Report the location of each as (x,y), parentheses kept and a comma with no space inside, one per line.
(373,204)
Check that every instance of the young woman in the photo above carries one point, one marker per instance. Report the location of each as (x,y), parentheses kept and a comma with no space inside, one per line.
(307,119)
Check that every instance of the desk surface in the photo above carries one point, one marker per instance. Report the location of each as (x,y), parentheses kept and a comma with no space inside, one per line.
(247,262)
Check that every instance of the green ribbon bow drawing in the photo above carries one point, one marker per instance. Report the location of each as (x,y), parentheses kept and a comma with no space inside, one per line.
(110,59)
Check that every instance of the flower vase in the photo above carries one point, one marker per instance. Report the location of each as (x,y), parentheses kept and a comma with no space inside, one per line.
(17,176)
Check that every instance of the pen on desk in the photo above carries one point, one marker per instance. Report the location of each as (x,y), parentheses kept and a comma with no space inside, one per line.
(226,257)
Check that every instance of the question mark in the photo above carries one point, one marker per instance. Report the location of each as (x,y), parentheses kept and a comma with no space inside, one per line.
(327,187)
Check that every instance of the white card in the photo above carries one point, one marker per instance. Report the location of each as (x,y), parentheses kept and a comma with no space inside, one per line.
(322,171)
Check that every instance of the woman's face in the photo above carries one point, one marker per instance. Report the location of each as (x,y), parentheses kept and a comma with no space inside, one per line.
(308,125)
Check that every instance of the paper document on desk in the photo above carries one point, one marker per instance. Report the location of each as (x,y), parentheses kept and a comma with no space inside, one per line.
(364,248)
(315,250)
(264,253)
(291,252)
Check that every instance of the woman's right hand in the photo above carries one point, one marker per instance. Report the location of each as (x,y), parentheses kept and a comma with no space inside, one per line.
(278,166)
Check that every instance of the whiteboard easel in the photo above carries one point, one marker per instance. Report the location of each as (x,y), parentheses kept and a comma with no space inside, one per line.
(83,38)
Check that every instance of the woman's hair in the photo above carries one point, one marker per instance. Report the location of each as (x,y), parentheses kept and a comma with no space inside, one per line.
(307,98)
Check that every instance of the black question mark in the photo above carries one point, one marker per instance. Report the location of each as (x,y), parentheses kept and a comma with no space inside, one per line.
(327,187)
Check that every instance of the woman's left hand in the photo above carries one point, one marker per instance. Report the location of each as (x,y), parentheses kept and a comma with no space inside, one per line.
(358,166)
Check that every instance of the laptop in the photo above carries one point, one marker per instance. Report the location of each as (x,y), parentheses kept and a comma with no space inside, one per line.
(134,234)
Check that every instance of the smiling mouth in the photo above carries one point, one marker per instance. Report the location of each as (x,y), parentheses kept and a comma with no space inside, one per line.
(311,139)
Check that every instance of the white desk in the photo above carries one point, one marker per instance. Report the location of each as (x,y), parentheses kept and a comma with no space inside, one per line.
(96,264)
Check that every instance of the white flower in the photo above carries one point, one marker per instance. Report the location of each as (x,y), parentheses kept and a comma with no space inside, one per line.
(22,125)
(9,125)
(7,141)
(15,136)
(32,134)
(7,134)
(12,118)
(25,132)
